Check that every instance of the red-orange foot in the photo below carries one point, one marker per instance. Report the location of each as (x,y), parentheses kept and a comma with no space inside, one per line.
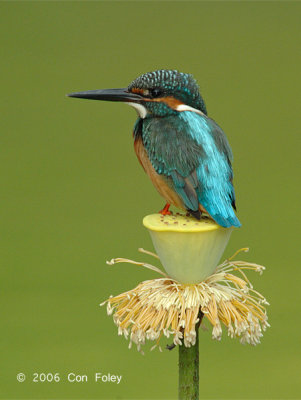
(165,210)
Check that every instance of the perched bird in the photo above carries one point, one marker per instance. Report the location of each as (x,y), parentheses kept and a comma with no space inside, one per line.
(183,151)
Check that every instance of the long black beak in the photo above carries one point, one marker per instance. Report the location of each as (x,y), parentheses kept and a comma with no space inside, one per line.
(109,95)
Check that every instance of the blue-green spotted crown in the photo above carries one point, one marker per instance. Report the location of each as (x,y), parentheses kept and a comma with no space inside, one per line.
(171,83)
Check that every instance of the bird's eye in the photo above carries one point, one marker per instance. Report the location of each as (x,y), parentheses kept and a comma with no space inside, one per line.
(156,92)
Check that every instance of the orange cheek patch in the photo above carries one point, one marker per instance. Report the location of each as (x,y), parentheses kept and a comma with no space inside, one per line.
(169,100)
(138,91)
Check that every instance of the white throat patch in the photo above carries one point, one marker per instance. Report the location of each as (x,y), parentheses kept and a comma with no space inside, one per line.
(141,110)
(185,107)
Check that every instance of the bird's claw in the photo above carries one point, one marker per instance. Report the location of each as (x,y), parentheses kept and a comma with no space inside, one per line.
(165,210)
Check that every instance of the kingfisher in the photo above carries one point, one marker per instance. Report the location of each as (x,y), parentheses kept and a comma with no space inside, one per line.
(184,152)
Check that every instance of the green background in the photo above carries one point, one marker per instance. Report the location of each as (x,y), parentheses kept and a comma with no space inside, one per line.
(73,194)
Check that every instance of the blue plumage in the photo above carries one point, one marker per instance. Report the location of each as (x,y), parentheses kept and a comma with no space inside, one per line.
(184,152)
(214,172)
(192,147)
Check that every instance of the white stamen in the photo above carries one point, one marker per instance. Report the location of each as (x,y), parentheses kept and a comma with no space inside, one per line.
(185,107)
(141,110)
(163,306)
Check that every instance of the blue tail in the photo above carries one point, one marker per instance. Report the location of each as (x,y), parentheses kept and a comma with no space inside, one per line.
(226,222)
(221,211)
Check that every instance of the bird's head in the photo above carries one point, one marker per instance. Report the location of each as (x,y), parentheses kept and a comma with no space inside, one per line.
(158,94)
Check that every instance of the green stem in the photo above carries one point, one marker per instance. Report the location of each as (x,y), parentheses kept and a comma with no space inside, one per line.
(189,368)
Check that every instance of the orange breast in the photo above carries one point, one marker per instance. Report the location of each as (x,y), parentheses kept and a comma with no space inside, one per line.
(159,181)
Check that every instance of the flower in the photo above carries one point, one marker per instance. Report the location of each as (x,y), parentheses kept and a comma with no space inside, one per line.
(166,306)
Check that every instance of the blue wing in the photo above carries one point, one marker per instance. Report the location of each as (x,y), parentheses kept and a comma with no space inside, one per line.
(193,153)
